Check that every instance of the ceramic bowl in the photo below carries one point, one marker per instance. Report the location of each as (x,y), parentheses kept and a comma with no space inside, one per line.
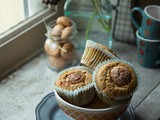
(81,113)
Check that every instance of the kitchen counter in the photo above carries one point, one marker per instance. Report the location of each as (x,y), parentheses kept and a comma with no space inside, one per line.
(24,89)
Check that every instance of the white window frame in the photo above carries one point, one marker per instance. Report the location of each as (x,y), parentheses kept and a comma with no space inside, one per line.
(21,43)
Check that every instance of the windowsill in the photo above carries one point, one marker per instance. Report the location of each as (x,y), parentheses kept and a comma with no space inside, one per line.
(24,89)
(20,45)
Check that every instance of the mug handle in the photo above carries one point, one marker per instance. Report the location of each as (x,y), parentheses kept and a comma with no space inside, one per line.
(133,19)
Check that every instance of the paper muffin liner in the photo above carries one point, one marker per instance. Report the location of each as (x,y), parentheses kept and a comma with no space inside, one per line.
(119,99)
(94,54)
(80,96)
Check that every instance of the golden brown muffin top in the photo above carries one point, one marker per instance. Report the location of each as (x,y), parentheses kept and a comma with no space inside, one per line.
(120,75)
(74,79)
(116,79)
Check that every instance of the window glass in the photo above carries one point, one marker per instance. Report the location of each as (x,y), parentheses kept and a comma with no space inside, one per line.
(13,12)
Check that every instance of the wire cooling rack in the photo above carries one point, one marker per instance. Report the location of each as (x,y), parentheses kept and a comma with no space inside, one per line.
(122,30)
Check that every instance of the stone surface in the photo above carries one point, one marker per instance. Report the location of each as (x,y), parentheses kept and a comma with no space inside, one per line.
(24,89)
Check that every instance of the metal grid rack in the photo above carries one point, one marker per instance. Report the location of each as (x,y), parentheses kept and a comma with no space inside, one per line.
(122,30)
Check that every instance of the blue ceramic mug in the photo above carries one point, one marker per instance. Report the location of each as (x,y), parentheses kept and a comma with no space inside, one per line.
(150,25)
(148,52)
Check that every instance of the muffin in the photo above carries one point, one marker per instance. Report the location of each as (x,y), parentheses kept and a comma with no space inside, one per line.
(115,81)
(94,54)
(96,103)
(75,85)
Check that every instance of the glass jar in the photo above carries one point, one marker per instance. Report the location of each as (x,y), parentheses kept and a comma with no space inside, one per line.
(93,19)
(60,46)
